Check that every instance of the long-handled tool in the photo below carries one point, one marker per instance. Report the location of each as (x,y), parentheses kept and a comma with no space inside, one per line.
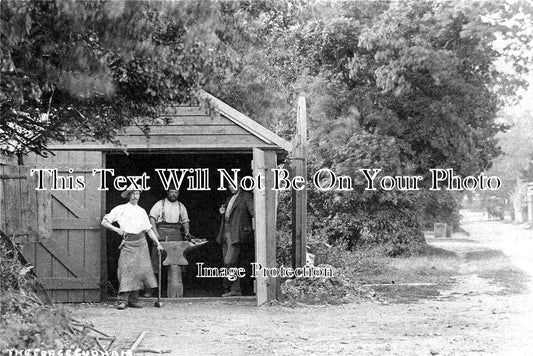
(158,304)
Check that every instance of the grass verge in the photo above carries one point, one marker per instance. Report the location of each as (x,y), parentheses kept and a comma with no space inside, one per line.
(511,279)
(410,279)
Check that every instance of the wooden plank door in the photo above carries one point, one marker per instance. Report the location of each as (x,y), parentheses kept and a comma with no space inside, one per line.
(67,260)
(265,222)
(25,213)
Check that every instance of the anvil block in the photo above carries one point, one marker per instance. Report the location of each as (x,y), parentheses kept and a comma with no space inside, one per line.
(175,252)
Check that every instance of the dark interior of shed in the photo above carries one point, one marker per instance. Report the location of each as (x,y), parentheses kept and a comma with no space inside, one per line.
(202,208)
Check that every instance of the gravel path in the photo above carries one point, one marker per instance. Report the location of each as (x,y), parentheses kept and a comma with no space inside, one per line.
(471,318)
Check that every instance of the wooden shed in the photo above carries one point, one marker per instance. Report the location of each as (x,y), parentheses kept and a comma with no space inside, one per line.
(60,230)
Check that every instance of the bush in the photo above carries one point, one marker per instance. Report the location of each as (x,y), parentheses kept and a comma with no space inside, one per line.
(393,227)
(26,322)
(14,276)
(360,216)
(284,248)
(363,260)
(440,206)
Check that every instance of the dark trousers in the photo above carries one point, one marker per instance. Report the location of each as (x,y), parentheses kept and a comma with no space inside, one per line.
(231,254)
(129,297)
(235,256)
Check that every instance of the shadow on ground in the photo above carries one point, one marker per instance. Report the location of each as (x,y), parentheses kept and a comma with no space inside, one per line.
(511,279)
(483,254)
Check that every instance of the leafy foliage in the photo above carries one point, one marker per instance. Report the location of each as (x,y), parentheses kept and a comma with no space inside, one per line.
(76,69)
(517,149)
(527,173)
(26,323)
(404,86)
(441,206)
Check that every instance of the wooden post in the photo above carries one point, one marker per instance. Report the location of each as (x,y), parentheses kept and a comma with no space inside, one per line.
(265,223)
(299,198)
(103,239)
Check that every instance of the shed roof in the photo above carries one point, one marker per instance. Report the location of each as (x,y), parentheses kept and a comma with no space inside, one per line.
(217,126)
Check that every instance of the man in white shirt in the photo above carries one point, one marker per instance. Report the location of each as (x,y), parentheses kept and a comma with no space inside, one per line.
(135,271)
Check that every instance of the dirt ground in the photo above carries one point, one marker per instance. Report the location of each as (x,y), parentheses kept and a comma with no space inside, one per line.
(476,314)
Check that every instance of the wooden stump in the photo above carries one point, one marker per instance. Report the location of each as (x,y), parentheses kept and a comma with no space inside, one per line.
(175,283)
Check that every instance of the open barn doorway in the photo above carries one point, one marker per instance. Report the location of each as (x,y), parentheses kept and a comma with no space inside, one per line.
(202,208)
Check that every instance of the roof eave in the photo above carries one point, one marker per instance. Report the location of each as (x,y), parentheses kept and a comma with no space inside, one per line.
(244,121)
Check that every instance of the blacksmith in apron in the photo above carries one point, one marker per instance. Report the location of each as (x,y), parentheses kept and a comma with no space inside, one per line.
(135,271)
(168,216)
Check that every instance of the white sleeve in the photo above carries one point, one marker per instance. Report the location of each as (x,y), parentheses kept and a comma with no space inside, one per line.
(155,212)
(184,217)
(113,215)
(146,222)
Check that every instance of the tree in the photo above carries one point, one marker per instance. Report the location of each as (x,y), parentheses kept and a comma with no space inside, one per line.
(527,173)
(86,69)
(403,86)
(517,147)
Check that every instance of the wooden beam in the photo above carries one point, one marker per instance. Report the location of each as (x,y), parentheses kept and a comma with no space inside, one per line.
(13,172)
(176,122)
(137,342)
(64,258)
(9,160)
(63,167)
(244,121)
(271,217)
(187,130)
(44,210)
(261,283)
(28,249)
(71,283)
(299,198)
(199,138)
(172,120)
(265,223)
(2,203)
(183,110)
(103,238)
(71,204)
(76,224)
(177,148)
(24,237)
(12,214)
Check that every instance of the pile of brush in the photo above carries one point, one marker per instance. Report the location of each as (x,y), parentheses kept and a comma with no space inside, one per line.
(337,289)
(28,318)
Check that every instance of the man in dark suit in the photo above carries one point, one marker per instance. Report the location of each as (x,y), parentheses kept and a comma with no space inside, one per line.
(237,239)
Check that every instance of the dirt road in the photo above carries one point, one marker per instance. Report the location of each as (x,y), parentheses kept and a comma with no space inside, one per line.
(476,315)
